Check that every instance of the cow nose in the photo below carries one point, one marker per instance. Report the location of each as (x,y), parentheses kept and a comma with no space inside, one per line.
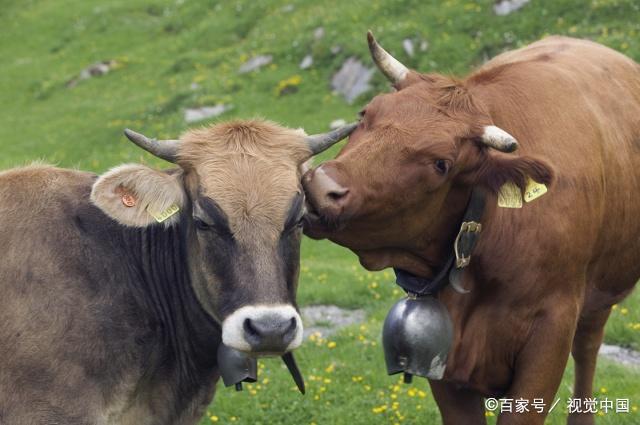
(263,329)
(326,194)
(269,334)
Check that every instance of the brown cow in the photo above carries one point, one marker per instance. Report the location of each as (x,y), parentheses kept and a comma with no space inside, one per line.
(543,277)
(118,290)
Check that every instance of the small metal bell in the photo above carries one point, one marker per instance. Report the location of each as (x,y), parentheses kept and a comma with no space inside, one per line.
(236,367)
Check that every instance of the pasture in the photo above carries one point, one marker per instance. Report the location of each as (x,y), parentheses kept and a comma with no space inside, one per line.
(175,54)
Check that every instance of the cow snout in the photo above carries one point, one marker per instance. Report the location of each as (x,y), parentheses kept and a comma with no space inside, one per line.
(263,329)
(325,192)
(269,333)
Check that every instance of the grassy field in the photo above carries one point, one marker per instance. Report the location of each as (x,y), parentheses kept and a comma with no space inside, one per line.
(163,47)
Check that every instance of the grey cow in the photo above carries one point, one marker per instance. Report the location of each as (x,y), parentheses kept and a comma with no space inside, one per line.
(118,289)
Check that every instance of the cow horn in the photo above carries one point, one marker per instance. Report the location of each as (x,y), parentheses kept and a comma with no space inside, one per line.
(499,139)
(165,149)
(321,142)
(390,66)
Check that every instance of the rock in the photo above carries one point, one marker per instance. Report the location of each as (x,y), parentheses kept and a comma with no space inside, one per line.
(254,63)
(198,114)
(306,63)
(337,123)
(505,7)
(329,319)
(625,356)
(424,45)
(352,79)
(335,49)
(287,8)
(318,33)
(194,86)
(94,70)
(407,44)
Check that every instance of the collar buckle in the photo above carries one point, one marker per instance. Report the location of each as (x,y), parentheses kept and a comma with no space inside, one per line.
(467,236)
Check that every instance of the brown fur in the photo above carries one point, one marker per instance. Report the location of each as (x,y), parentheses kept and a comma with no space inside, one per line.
(544,277)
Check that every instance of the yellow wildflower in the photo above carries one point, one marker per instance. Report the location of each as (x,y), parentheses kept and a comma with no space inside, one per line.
(379,409)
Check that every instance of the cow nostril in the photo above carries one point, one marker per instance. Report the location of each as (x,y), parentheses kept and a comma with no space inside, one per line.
(292,325)
(249,328)
(337,194)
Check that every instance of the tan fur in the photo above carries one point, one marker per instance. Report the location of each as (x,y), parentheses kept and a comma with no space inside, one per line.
(35,185)
(153,191)
(250,168)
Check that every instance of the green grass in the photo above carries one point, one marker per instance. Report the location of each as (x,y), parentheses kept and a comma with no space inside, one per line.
(164,46)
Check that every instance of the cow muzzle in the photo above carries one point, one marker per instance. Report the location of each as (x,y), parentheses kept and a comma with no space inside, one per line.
(263,330)
(328,197)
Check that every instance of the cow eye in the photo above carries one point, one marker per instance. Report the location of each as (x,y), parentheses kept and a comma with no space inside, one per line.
(442,166)
(200,224)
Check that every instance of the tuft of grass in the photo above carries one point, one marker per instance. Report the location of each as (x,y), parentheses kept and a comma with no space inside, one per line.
(623,327)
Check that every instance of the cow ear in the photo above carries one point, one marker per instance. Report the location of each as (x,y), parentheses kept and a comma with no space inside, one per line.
(138,196)
(496,169)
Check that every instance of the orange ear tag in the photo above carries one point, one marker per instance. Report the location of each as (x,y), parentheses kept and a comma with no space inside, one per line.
(128,200)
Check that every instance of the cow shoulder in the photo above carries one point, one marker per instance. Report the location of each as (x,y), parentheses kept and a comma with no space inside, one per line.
(37,191)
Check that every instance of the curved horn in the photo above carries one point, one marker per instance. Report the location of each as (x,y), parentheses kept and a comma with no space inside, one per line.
(390,66)
(321,142)
(165,149)
(499,139)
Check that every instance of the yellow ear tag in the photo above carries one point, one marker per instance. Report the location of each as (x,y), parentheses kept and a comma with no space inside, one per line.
(510,196)
(164,215)
(534,190)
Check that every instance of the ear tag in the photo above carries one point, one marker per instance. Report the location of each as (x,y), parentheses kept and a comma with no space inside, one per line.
(510,196)
(534,190)
(128,200)
(164,215)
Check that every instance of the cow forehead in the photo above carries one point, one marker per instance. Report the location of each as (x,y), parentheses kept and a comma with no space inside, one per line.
(250,168)
(403,117)
(437,101)
(250,192)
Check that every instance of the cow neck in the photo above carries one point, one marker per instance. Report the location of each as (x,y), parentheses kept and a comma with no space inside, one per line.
(459,254)
(189,335)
